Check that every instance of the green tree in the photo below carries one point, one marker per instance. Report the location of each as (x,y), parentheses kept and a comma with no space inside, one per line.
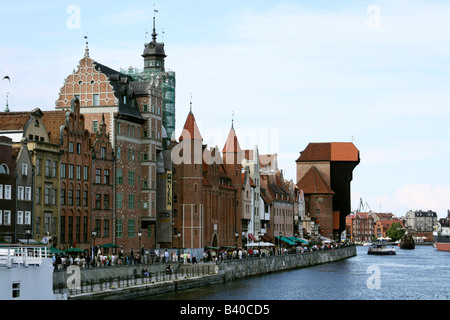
(395,232)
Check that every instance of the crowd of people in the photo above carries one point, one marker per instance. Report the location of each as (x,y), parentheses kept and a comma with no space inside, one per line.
(99,259)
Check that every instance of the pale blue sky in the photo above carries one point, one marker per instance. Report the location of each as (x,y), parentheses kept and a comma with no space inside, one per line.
(293,72)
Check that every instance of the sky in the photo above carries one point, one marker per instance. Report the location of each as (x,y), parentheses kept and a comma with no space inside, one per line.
(287,72)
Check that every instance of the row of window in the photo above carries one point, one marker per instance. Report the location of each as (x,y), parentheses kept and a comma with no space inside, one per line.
(22,217)
(5,192)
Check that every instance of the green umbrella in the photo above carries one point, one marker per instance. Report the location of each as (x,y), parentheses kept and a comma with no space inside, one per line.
(74,250)
(55,251)
(109,245)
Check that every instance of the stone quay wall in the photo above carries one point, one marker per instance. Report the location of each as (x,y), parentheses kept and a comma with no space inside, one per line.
(239,269)
(226,270)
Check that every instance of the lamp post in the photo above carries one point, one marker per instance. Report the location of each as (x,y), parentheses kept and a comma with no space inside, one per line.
(236,236)
(139,235)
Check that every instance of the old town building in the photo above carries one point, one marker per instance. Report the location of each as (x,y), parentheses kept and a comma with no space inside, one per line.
(360,227)
(7,191)
(24,187)
(205,193)
(132,109)
(324,172)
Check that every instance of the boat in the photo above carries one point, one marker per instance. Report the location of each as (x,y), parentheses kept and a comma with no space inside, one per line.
(407,242)
(380,248)
(26,273)
(442,238)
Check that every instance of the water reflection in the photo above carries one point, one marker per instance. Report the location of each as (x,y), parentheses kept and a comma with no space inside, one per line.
(418,274)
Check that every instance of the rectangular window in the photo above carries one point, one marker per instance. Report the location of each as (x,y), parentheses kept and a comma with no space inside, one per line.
(86,173)
(98,175)
(98,201)
(63,197)
(119,226)
(79,148)
(119,176)
(78,172)
(70,197)
(27,193)
(7,192)
(71,171)
(85,198)
(106,176)
(38,166)
(54,169)
(47,192)
(96,101)
(1,191)
(27,217)
(119,200)
(106,228)
(47,167)
(54,197)
(131,201)
(106,201)
(145,108)
(15,290)
(131,178)
(63,170)
(19,217)
(20,193)
(7,217)
(103,152)
(94,126)
(131,227)
(71,147)
(38,195)
(24,169)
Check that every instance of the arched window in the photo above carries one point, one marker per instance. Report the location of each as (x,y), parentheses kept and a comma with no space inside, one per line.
(4,169)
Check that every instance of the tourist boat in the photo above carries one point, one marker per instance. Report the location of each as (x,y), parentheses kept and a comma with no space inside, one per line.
(442,239)
(26,273)
(380,248)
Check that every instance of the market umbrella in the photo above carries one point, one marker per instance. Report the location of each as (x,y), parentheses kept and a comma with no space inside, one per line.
(53,250)
(109,245)
(74,250)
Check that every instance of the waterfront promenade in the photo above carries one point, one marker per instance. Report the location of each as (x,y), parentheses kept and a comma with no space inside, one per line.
(129,282)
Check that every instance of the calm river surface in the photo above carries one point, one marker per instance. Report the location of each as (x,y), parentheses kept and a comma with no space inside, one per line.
(420,274)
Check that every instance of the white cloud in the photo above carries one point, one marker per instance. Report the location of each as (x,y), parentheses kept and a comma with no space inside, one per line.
(416,197)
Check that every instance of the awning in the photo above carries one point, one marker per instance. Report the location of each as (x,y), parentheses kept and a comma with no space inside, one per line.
(288,241)
(298,240)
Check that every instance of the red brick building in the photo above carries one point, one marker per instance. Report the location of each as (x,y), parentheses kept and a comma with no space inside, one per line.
(7,191)
(205,190)
(75,173)
(324,172)
(131,114)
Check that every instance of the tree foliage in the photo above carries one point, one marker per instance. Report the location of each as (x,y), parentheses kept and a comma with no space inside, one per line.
(395,232)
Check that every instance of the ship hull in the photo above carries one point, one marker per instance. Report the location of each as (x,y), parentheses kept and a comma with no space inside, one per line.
(443,246)
(442,242)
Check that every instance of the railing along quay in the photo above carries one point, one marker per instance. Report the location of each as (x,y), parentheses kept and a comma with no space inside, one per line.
(128,281)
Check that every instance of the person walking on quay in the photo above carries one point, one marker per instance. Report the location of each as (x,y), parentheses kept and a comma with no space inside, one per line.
(194,257)
(166,256)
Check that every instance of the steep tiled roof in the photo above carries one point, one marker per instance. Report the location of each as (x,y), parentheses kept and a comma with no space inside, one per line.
(313,183)
(190,130)
(232,143)
(13,120)
(330,151)
(53,120)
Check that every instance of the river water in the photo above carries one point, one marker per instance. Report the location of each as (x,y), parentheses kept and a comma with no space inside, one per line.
(419,274)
